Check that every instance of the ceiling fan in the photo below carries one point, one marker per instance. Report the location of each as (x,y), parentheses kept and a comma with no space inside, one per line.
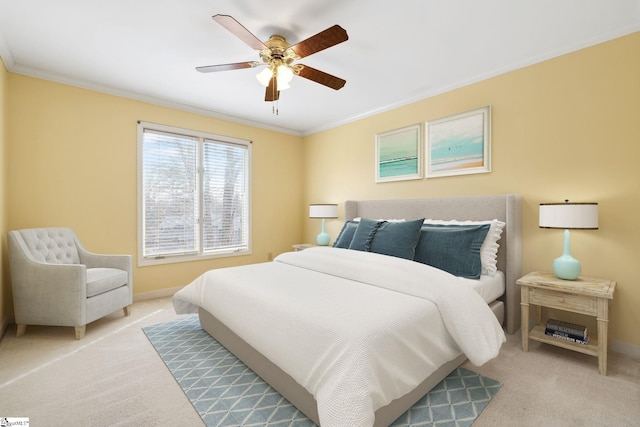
(279,57)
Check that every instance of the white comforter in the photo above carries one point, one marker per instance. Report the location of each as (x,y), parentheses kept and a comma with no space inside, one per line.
(356,329)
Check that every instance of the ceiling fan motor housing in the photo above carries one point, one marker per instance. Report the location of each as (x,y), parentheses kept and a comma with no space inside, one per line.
(278,52)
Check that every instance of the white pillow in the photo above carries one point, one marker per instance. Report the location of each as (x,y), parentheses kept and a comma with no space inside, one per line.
(357,219)
(489,249)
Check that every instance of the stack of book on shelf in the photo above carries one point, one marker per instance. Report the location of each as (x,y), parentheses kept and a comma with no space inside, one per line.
(567,331)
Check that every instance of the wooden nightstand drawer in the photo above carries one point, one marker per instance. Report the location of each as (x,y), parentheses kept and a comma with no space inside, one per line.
(564,301)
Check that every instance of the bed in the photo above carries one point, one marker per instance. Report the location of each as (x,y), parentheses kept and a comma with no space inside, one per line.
(322,377)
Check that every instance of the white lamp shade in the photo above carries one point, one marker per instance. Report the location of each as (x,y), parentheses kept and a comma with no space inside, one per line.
(264,76)
(283,86)
(569,215)
(323,211)
(285,74)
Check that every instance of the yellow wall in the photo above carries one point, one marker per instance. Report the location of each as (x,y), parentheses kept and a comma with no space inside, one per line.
(565,128)
(4,281)
(73,163)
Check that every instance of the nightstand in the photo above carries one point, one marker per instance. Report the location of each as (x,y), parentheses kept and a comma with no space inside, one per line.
(584,295)
(302,246)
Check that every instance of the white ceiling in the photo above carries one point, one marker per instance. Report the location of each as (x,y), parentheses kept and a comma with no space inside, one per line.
(397,52)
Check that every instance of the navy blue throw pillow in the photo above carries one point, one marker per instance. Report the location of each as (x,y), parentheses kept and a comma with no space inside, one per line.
(397,239)
(452,248)
(346,235)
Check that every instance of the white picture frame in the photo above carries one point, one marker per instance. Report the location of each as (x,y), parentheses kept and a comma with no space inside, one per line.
(399,154)
(459,144)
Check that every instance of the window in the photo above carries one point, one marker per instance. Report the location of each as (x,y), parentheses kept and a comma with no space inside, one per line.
(193,195)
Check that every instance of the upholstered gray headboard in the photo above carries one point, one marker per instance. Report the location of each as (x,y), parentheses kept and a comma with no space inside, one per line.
(505,208)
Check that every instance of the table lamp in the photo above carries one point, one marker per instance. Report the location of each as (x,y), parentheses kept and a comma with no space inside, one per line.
(581,216)
(323,211)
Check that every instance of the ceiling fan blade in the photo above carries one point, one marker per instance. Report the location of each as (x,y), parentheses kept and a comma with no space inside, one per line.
(272,93)
(324,39)
(321,77)
(226,67)
(238,30)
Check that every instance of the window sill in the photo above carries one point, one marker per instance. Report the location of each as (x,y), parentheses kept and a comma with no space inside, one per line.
(174,259)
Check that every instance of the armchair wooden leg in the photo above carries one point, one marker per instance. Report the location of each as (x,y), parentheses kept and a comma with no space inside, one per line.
(80,330)
(21,330)
(127,310)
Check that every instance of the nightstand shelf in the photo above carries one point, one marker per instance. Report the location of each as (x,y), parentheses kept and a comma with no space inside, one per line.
(591,348)
(592,297)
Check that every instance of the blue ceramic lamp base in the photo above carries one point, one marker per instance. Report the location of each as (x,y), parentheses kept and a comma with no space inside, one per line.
(566,267)
(323,238)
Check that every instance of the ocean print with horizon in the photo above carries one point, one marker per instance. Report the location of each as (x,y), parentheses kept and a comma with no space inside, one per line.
(457,144)
(398,154)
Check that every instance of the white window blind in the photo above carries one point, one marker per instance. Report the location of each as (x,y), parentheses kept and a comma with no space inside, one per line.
(225,197)
(170,191)
(194,195)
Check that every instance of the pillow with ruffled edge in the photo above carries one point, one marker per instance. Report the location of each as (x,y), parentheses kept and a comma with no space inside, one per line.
(489,249)
(348,229)
(397,239)
(452,248)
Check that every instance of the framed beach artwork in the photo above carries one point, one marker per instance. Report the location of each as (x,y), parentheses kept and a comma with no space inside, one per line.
(399,154)
(459,144)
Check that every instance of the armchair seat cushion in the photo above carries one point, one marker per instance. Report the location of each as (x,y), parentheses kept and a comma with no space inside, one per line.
(100,280)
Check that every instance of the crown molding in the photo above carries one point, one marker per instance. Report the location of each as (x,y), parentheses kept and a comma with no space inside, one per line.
(6,56)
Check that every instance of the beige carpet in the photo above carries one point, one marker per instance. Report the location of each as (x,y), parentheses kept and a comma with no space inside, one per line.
(114,377)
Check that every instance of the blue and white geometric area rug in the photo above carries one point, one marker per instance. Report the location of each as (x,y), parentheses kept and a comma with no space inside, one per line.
(225,392)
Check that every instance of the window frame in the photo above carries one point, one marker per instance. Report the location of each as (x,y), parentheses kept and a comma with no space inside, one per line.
(201,137)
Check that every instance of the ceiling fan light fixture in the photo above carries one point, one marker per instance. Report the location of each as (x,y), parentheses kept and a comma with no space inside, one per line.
(285,75)
(283,86)
(264,76)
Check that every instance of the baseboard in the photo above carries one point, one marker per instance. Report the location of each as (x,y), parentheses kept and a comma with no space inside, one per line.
(626,349)
(160,293)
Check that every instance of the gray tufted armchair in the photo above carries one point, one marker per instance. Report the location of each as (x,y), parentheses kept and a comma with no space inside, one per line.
(57,282)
